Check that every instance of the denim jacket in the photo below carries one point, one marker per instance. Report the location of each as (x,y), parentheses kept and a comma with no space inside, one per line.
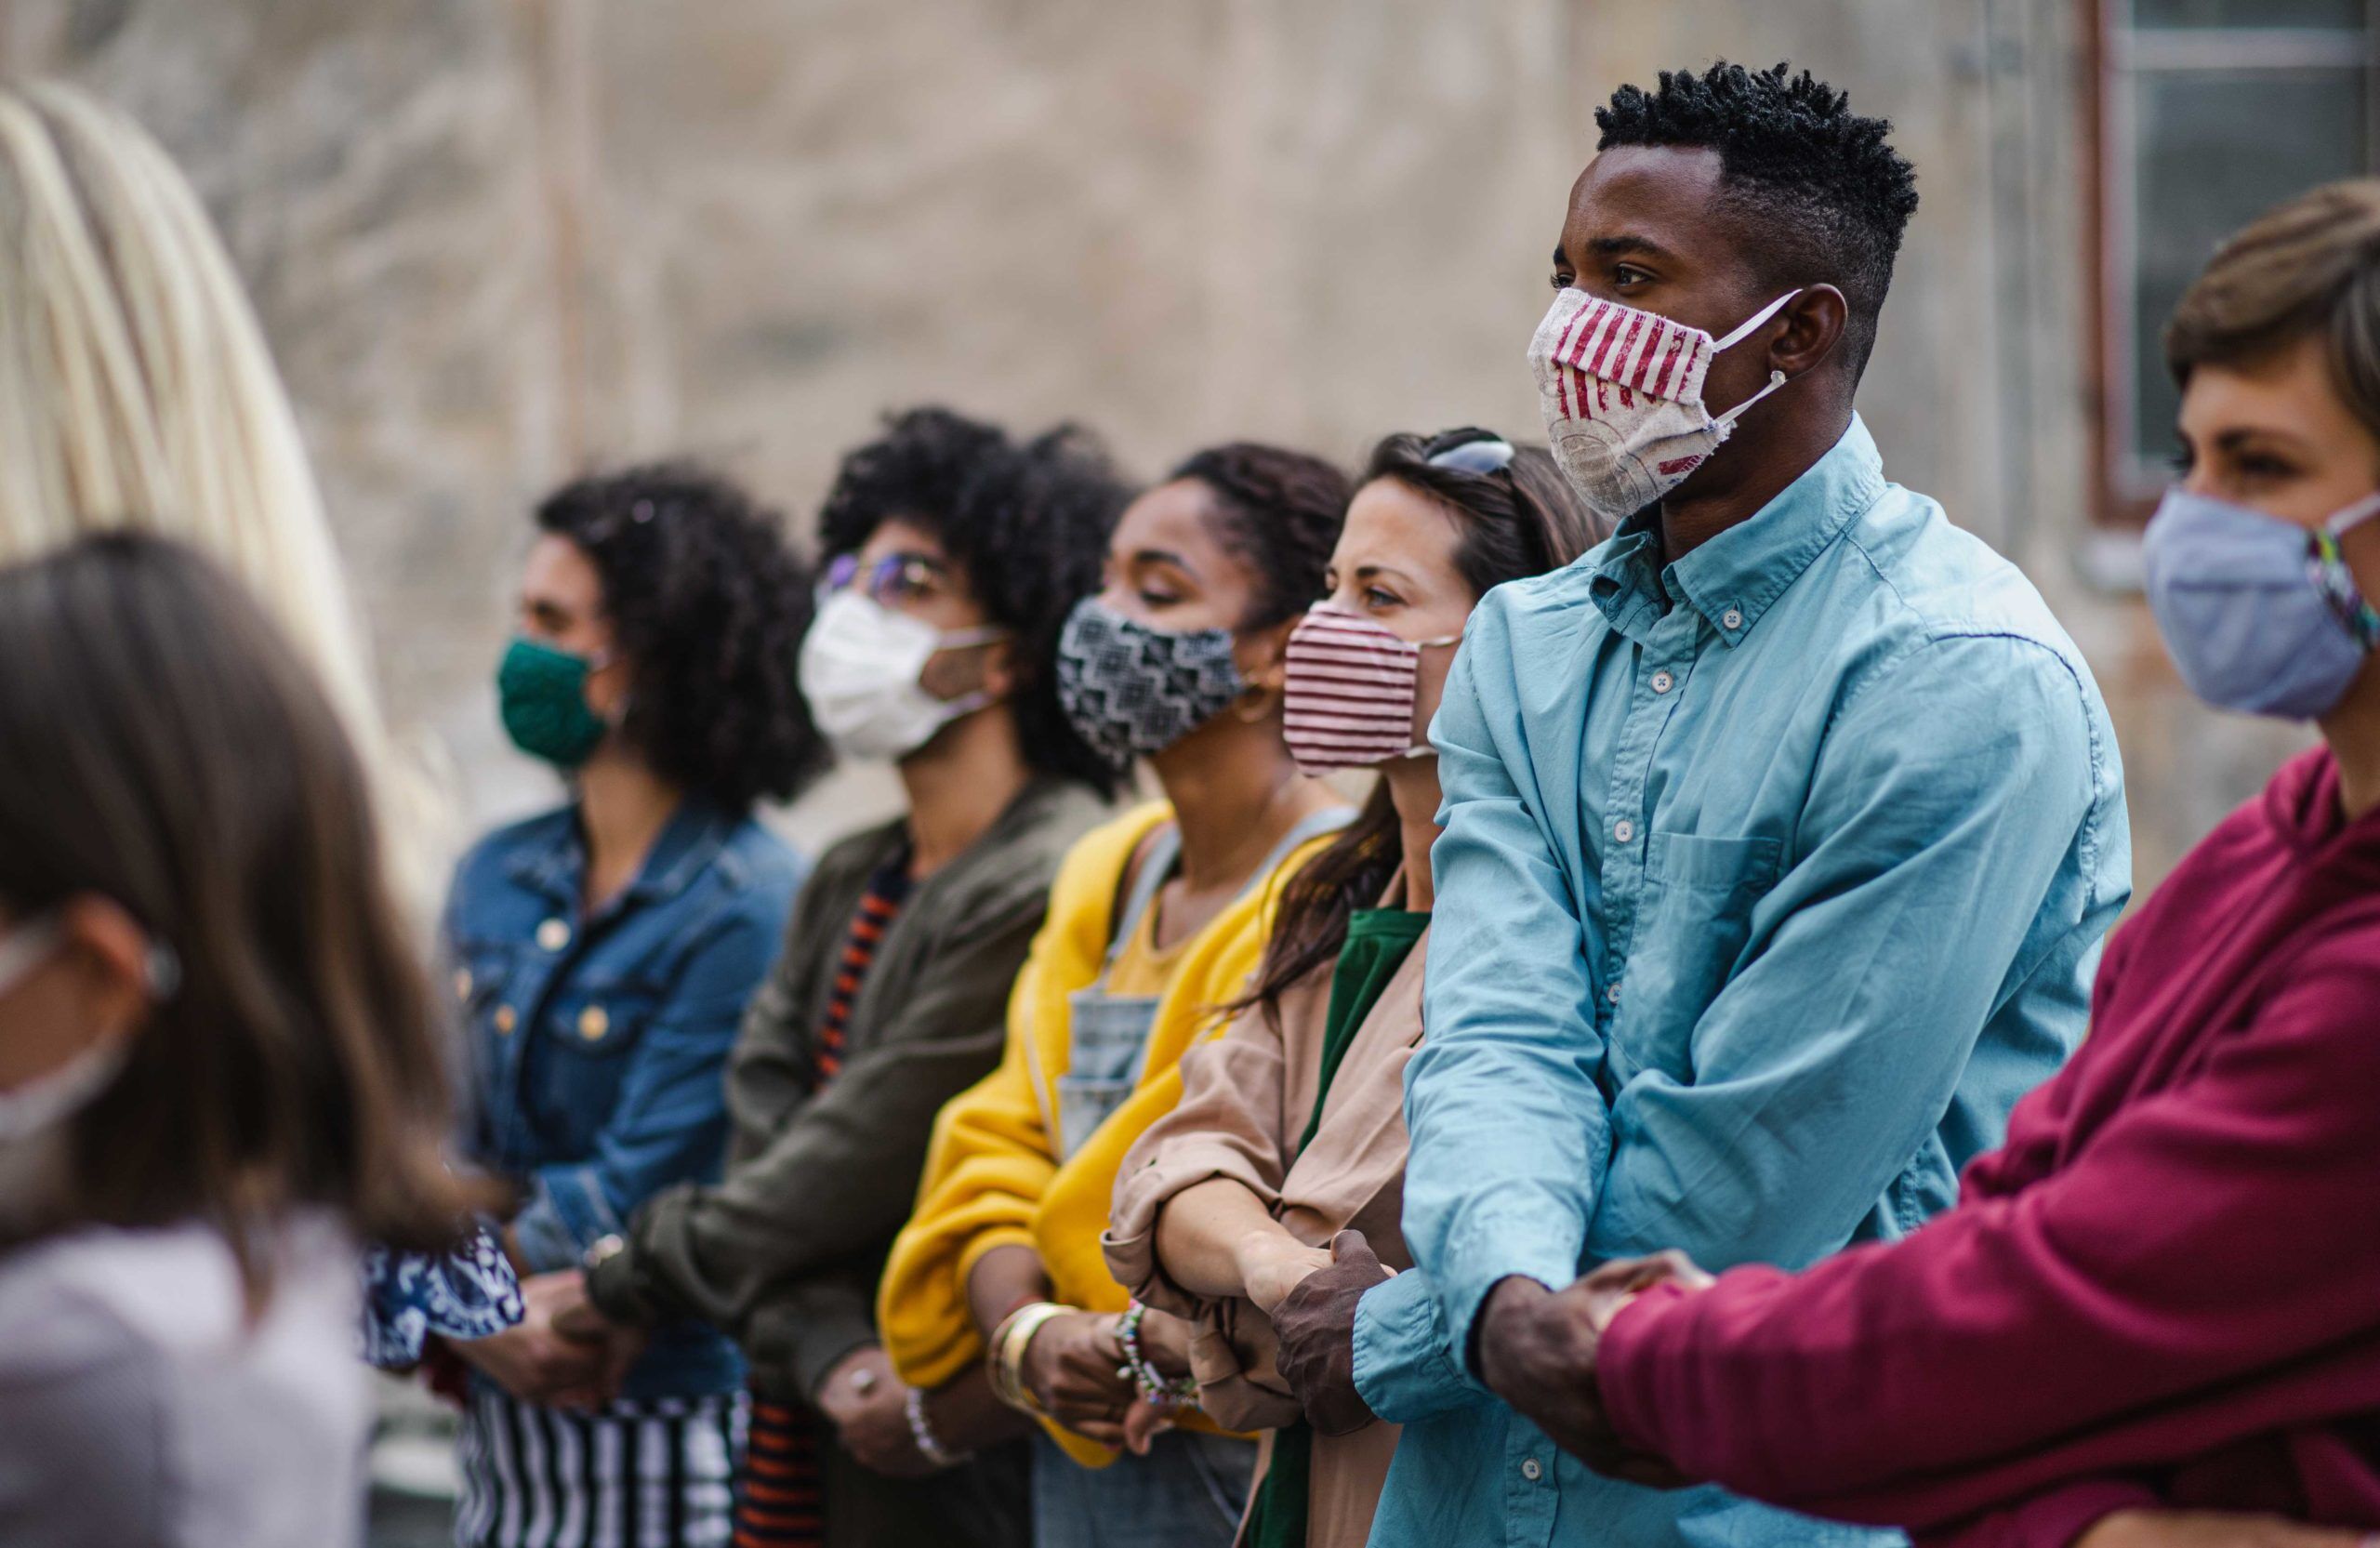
(599,1043)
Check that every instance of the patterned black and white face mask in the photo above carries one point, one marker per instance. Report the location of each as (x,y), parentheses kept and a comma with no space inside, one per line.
(1130,690)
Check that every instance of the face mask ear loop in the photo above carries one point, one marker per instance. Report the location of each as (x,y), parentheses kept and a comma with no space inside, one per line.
(2354,516)
(1726,420)
(1757,318)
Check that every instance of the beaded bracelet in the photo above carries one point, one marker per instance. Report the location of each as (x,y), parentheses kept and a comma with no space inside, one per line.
(921,1434)
(1160,1390)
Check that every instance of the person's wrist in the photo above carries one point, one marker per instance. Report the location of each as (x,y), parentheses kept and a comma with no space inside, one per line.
(1503,1318)
(1256,1252)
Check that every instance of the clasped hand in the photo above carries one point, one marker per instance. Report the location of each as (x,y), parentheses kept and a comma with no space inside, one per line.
(1075,1369)
(562,1353)
(1538,1351)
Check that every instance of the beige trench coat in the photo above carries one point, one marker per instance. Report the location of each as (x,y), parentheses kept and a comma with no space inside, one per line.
(1246,1098)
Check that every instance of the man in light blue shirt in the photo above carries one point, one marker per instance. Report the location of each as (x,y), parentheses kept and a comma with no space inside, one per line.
(1780,832)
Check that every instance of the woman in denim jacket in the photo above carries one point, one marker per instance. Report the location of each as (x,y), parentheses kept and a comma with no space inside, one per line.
(601,954)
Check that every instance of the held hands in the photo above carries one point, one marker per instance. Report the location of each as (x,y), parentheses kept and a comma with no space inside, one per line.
(1071,1369)
(868,1408)
(562,1353)
(1538,1351)
(1315,1320)
(1272,1262)
(1076,1371)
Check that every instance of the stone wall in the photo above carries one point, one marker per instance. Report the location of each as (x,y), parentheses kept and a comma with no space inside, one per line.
(496,241)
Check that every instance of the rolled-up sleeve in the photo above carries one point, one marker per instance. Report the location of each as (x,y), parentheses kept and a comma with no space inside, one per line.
(1944,802)
(1404,1367)
(1508,1125)
(1229,1124)
(671,1121)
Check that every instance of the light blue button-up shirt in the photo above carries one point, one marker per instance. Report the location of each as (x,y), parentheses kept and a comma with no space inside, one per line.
(1770,880)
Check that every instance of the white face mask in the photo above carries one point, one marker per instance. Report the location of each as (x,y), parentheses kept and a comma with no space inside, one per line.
(861,665)
(1621,390)
(34,1116)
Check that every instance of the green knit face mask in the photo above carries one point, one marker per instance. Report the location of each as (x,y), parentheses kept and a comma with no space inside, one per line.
(542,694)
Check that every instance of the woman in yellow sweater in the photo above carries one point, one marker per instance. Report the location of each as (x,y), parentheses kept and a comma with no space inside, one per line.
(1155,921)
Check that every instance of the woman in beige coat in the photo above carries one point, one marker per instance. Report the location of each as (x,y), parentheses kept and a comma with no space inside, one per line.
(1290,1127)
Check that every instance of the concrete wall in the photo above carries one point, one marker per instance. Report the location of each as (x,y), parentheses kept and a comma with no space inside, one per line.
(495,241)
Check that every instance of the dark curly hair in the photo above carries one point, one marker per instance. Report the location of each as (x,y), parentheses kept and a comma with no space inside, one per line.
(707,606)
(1026,522)
(1281,511)
(1830,196)
(1523,518)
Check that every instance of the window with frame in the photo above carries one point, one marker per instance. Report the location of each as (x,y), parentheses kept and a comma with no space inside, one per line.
(2210,112)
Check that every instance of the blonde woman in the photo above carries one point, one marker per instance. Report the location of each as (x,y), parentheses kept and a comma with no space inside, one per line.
(136,391)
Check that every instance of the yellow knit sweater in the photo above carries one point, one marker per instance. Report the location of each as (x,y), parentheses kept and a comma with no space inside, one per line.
(991,1179)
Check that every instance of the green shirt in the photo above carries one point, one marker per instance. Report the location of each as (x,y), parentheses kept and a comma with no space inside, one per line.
(1378,942)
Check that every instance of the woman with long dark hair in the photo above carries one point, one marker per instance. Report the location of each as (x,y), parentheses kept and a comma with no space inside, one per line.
(218,1068)
(1290,1129)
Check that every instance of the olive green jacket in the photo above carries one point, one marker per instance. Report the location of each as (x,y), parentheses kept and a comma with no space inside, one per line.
(785,1251)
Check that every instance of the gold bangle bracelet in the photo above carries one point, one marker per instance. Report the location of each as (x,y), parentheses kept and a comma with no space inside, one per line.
(1004,1353)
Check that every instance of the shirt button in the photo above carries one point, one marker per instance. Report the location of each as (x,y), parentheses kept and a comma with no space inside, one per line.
(1530,1471)
(505,1020)
(553,934)
(1612,993)
(1663,682)
(1623,830)
(593,1022)
(1731,619)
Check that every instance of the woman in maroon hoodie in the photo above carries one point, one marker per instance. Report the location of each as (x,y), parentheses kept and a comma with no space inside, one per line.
(2160,1300)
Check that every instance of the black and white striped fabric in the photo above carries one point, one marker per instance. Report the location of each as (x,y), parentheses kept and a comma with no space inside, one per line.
(652,1474)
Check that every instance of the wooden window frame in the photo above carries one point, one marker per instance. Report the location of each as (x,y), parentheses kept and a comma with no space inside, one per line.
(2125,490)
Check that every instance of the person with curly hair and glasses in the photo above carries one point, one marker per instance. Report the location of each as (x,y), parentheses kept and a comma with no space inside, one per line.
(601,955)
(956,553)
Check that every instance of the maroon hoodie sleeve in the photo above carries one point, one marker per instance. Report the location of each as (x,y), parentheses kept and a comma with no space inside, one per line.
(2206,1235)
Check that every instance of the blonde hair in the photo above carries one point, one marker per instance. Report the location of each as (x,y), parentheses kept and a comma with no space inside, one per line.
(136,392)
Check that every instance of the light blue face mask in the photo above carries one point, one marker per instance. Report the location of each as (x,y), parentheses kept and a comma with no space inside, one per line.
(2260,615)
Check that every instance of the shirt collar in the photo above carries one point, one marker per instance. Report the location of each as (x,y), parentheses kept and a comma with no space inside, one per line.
(690,841)
(1732,580)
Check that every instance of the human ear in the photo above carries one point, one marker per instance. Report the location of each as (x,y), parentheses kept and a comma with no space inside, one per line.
(1815,322)
(1263,656)
(113,959)
(1003,674)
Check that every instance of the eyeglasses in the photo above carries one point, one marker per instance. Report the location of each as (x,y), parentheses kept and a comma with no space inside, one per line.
(897,577)
(1481,456)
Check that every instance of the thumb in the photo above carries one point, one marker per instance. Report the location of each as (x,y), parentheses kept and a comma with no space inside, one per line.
(1350,1247)
(1144,1421)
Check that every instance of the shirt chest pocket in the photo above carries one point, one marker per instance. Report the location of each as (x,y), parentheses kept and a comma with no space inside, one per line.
(581,1057)
(1689,942)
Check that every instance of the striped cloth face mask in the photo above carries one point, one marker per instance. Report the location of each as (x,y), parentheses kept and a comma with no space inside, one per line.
(1350,690)
(1621,392)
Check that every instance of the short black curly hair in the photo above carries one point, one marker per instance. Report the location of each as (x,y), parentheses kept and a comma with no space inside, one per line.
(1830,196)
(1027,524)
(707,605)
(1281,510)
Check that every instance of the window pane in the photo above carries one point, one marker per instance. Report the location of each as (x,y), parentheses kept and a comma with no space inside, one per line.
(2217,149)
(2248,13)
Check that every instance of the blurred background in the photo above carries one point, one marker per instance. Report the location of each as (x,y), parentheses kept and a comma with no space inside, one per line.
(496,241)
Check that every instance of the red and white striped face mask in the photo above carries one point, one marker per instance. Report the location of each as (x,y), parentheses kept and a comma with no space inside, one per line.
(1621,392)
(1351,691)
